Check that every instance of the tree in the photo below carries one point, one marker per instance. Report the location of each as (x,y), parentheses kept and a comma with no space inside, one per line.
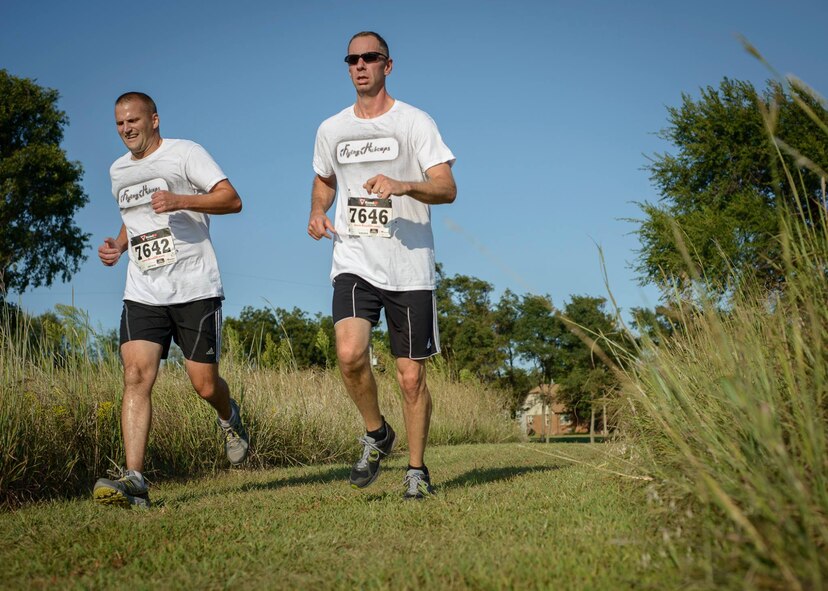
(250,331)
(64,335)
(309,338)
(41,189)
(656,324)
(538,331)
(278,337)
(722,187)
(511,377)
(585,376)
(467,333)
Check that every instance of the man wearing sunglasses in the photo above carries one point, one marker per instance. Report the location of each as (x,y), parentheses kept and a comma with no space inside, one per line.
(387,164)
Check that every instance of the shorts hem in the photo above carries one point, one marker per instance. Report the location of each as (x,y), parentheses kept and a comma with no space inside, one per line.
(373,324)
(437,352)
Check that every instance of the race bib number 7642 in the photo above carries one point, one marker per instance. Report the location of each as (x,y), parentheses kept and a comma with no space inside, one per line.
(153,249)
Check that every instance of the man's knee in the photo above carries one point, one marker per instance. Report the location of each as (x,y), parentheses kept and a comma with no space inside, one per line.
(140,359)
(206,382)
(412,382)
(138,375)
(353,336)
(352,357)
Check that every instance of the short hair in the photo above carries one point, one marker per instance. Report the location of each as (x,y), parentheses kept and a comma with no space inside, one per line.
(140,96)
(377,36)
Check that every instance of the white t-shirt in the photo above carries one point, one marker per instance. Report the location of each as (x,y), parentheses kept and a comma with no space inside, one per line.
(171,258)
(401,144)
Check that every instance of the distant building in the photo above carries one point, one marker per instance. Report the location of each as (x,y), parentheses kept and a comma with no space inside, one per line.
(541,413)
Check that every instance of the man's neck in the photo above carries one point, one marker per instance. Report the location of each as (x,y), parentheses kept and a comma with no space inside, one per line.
(369,107)
(150,149)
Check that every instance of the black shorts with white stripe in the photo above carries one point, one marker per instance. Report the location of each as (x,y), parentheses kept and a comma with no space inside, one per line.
(411,315)
(195,327)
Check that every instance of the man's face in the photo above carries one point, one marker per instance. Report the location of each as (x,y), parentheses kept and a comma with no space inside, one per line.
(368,78)
(137,127)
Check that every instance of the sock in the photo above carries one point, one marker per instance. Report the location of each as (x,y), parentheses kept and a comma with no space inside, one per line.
(422,468)
(229,421)
(379,434)
(135,473)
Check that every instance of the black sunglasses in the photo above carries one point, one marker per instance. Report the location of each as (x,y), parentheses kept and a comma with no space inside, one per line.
(352,59)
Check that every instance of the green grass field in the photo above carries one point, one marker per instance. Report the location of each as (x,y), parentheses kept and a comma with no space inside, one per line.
(507,516)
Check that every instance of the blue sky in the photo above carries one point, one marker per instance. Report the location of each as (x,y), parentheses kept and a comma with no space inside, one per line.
(550,107)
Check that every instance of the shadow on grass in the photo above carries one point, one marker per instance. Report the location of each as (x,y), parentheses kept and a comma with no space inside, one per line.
(479,476)
(474,477)
(333,474)
(569,439)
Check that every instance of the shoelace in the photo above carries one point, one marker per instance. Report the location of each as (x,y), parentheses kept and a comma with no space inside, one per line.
(230,434)
(412,481)
(366,451)
(118,474)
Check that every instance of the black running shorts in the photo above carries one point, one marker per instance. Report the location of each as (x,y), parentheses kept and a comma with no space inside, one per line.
(195,327)
(411,315)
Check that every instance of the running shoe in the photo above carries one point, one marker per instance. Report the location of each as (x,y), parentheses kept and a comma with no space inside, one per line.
(127,490)
(366,470)
(236,440)
(417,485)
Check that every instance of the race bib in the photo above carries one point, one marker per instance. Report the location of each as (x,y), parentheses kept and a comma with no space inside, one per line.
(369,217)
(153,249)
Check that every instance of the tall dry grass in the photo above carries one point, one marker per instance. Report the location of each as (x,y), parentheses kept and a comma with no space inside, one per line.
(60,422)
(731,415)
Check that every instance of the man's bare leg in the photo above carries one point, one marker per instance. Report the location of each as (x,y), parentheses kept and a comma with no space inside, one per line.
(210,386)
(213,389)
(141,360)
(411,375)
(352,348)
(353,337)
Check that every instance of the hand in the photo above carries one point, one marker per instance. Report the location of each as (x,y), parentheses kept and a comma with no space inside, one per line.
(384,187)
(109,252)
(164,201)
(319,225)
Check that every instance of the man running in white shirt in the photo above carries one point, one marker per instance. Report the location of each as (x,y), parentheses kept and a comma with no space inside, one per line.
(387,164)
(166,188)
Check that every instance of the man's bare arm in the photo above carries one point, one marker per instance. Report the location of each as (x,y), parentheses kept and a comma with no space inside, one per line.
(437,189)
(221,199)
(110,251)
(323,194)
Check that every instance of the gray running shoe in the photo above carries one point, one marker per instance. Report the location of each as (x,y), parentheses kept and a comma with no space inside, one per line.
(366,470)
(236,440)
(417,485)
(126,491)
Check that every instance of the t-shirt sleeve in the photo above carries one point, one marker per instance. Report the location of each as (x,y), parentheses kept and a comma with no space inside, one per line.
(112,180)
(201,170)
(428,143)
(322,164)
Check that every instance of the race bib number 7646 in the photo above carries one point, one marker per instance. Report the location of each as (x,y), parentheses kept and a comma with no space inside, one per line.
(369,217)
